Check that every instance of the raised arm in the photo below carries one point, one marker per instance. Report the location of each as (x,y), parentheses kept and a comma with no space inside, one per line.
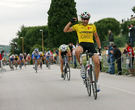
(67,27)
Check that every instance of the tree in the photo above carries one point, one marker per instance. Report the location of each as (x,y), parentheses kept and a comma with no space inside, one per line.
(32,36)
(133,9)
(106,24)
(60,13)
(14,47)
(124,27)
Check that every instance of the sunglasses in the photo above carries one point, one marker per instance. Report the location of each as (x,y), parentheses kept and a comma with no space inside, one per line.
(85,18)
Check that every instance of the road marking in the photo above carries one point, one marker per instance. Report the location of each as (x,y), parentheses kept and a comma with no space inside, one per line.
(122,90)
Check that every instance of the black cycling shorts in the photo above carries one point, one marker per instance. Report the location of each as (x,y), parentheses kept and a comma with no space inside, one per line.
(88,46)
(62,54)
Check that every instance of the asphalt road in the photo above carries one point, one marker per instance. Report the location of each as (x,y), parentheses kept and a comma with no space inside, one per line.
(26,90)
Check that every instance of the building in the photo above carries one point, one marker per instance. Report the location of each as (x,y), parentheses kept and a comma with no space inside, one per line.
(132,18)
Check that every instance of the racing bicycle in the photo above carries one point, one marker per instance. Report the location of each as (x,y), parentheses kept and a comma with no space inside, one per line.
(66,69)
(90,79)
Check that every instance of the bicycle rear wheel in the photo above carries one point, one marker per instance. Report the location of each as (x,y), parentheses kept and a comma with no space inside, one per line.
(88,82)
(49,65)
(68,71)
(64,73)
(21,65)
(41,65)
(94,83)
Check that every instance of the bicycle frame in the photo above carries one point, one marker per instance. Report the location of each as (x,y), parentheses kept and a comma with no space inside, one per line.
(66,68)
(90,79)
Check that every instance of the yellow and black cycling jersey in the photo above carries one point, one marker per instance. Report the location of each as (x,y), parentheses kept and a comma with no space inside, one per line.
(85,33)
(16,58)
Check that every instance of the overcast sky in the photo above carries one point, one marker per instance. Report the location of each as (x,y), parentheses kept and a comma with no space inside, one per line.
(15,13)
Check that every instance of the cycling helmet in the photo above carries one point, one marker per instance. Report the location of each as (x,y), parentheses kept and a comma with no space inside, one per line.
(40,52)
(36,49)
(85,15)
(21,54)
(28,54)
(64,48)
(15,55)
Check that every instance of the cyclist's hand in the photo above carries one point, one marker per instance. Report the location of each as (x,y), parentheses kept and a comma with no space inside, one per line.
(73,20)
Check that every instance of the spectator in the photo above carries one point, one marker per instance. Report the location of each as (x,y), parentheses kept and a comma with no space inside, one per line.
(129,32)
(112,59)
(117,55)
(130,55)
(1,57)
(132,35)
(77,44)
(74,57)
(108,58)
(110,36)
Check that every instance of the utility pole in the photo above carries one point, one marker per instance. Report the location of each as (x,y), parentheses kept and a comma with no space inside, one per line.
(42,41)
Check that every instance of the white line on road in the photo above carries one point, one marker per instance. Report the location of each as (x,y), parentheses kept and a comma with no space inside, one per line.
(125,91)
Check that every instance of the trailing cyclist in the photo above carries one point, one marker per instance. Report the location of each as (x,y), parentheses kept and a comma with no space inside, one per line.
(21,60)
(35,55)
(41,59)
(16,60)
(48,57)
(85,34)
(11,61)
(64,50)
(28,58)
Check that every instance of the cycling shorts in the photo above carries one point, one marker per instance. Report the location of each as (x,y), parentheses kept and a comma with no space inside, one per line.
(88,46)
(63,54)
(48,57)
(37,57)
(21,58)
(11,59)
(16,59)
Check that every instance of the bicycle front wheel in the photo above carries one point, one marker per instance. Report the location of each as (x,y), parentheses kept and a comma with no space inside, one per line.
(68,72)
(94,83)
(36,67)
(64,73)
(88,82)
(49,65)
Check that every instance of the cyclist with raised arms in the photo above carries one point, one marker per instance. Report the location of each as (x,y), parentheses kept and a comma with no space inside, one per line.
(85,34)
(63,50)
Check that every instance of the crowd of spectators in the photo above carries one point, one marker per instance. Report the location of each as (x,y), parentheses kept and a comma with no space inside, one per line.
(114,54)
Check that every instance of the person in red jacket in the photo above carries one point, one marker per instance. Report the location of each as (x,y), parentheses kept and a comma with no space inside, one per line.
(130,53)
(1,56)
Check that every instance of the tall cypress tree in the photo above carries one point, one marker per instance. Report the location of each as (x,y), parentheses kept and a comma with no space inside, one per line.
(60,13)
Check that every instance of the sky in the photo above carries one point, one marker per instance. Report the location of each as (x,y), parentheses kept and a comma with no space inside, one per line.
(15,13)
